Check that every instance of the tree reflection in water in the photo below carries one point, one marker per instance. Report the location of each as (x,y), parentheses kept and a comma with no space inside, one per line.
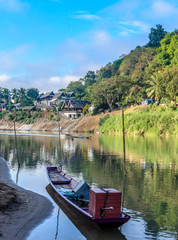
(150,187)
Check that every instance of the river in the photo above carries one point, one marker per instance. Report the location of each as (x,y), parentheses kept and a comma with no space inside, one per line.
(148,180)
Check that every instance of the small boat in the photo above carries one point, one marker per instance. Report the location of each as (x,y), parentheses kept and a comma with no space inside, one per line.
(77,136)
(99,206)
(89,230)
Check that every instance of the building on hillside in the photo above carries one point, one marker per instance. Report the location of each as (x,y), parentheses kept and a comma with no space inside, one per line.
(60,97)
(147,102)
(70,95)
(57,98)
(44,99)
(17,106)
(73,108)
(53,99)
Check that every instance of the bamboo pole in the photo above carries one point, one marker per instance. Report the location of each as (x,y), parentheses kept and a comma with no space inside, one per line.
(123,130)
(125,170)
(16,148)
(58,122)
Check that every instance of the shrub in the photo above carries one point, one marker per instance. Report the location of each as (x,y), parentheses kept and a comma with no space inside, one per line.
(86,109)
(10,117)
(28,121)
(51,116)
(103,119)
(36,115)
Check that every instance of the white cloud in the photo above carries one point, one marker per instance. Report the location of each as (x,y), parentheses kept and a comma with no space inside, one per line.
(55,79)
(138,25)
(101,37)
(87,16)
(13,5)
(163,8)
(82,12)
(92,50)
(4,78)
(11,60)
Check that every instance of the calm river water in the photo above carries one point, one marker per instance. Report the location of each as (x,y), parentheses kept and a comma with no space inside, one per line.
(149,187)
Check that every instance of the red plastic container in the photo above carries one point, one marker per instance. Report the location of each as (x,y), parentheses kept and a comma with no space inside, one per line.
(103,205)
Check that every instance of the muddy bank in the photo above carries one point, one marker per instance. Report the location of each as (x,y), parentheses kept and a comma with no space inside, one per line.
(20,210)
(83,124)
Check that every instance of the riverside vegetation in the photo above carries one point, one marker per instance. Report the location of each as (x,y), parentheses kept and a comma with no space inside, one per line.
(149,120)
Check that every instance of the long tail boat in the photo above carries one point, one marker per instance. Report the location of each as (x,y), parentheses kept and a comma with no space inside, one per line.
(77,136)
(101,206)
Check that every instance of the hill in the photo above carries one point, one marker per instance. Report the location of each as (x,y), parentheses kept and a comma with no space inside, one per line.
(150,71)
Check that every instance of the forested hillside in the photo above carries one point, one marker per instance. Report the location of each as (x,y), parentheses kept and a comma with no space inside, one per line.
(150,71)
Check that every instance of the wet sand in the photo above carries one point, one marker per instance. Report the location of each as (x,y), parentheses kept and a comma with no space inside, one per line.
(24,213)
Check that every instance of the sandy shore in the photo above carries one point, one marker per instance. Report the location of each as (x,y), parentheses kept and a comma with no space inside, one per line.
(24,213)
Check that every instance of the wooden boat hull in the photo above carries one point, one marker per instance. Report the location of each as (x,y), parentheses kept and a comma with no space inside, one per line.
(102,222)
(89,229)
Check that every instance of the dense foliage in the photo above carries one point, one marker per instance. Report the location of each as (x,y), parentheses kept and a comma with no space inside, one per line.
(22,96)
(150,71)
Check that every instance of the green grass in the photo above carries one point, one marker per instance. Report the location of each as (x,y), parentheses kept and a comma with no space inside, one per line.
(149,120)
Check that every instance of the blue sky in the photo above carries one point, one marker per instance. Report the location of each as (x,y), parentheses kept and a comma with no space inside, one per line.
(48,43)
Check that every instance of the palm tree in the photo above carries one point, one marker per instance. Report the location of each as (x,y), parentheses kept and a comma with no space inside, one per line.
(15,95)
(22,94)
(153,91)
(6,95)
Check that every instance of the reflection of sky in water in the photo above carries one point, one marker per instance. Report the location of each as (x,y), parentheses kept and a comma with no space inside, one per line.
(82,159)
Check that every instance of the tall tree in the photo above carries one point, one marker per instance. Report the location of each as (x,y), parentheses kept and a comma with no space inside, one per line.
(32,93)
(76,87)
(107,89)
(156,35)
(89,79)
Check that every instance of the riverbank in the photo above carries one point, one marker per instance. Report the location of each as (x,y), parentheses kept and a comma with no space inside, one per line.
(139,120)
(83,124)
(20,210)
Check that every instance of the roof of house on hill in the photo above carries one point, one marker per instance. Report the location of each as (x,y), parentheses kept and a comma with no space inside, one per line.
(29,108)
(16,104)
(58,94)
(48,94)
(40,95)
(3,105)
(65,103)
(69,94)
(78,103)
